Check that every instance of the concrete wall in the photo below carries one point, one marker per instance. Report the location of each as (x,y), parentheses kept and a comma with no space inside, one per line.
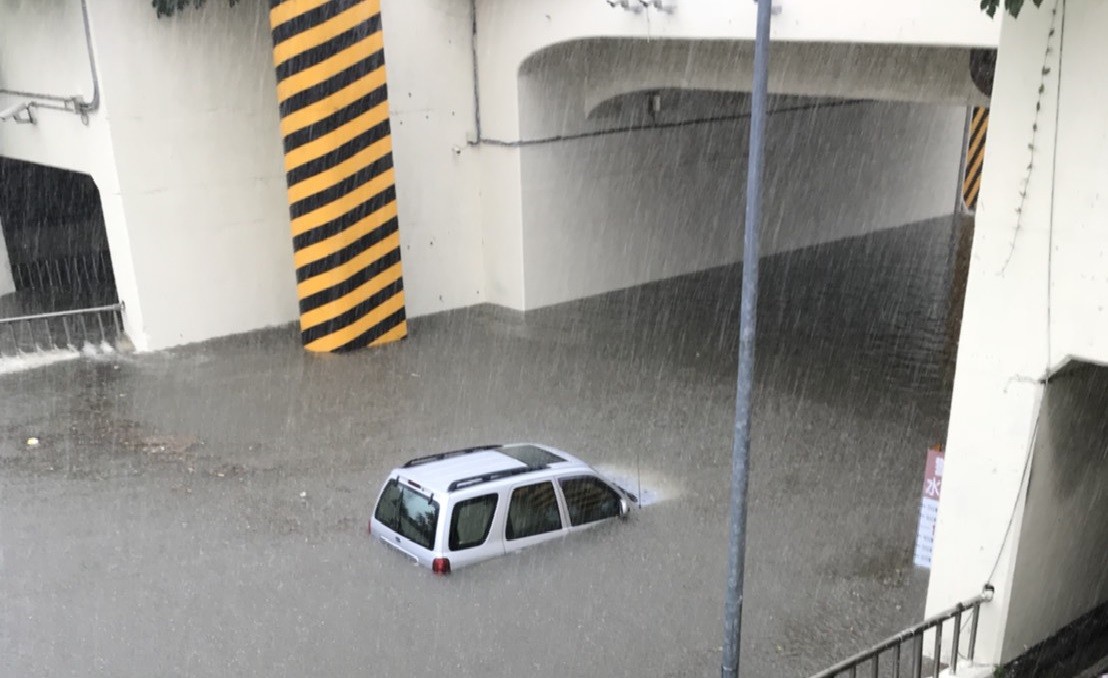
(1060,573)
(1079,272)
(706,45)
(1002,352)
(43,50)
(1036,295)
(428,50)
(509,31)
(194,132)
(606,211)
(860,71)
(186,153)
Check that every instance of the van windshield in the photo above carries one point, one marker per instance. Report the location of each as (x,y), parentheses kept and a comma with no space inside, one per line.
(408,513)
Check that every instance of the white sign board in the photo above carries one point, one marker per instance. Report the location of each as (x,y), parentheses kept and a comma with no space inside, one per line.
(929,507)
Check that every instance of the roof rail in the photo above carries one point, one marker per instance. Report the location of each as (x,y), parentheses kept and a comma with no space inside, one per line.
(446,455)
(489,477)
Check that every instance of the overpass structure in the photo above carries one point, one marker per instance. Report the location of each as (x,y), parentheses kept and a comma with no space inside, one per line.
(185,143)
(542,152)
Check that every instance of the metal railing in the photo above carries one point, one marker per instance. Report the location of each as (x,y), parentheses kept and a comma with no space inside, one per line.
(888,657)
(77,273)
(63,330)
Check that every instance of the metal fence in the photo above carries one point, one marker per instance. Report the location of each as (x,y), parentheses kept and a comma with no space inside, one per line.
(64,330)
(902,654)
(78,272)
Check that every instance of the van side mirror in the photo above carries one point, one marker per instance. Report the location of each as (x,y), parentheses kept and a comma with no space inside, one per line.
(624,509)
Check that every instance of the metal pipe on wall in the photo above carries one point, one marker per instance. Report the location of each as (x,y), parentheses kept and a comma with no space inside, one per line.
(74,103)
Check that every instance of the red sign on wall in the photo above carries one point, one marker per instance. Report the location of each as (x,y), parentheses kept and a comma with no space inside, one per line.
(929,507)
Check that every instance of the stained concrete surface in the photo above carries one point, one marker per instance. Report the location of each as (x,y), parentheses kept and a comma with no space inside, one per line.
(201,512)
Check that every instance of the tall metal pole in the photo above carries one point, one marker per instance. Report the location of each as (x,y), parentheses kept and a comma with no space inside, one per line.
(740,450)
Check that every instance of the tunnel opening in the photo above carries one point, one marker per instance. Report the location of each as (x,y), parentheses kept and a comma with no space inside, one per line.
(633,196)
(1059,599)
(57,282)
(862,239)
(55,239)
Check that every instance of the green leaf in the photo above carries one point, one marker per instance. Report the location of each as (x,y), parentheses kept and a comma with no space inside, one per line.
(171,7)
(1013,6)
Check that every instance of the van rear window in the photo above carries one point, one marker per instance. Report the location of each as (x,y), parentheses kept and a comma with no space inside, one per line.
(408,513)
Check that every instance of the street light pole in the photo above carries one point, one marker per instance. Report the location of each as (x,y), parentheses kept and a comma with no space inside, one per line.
(740,449)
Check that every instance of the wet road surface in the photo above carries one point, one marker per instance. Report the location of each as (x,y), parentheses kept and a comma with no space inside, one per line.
(201,512)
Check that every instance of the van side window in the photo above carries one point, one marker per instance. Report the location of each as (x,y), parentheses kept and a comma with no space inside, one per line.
(533,511)
(589,500)
(469,526)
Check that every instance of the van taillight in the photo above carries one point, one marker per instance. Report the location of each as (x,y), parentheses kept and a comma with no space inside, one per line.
(440,566)
(369,527)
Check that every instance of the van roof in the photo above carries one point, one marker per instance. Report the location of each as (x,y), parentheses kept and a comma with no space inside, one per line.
(459,469)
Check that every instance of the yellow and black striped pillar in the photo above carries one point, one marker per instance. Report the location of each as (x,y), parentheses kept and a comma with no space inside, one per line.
(975,158)
(333,99)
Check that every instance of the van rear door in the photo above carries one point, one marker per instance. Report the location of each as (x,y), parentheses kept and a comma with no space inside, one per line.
(407,518)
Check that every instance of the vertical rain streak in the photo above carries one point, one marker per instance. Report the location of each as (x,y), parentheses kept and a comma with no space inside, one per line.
(333,101)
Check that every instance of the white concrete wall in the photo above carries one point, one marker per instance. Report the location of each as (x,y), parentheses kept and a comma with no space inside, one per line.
(1002,351)
(43,50)
(196,143)
(511,30)
(611,211)
(186,153)
(859,71)
(502,225)
(196,212)
(428,52)
(1079,272)
(1037,294)
(1060,573)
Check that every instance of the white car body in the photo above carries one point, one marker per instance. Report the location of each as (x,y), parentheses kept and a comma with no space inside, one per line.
(469,494)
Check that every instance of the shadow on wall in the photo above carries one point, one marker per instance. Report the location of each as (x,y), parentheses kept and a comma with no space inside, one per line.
(1060,573)
(1076,428)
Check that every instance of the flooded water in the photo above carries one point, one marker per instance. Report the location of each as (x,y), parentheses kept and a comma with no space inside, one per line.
(202,512)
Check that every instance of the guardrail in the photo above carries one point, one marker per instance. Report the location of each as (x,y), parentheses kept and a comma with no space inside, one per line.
(78,272)
(63,330)
(907,646)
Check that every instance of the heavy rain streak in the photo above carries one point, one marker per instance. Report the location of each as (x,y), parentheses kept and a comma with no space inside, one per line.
(243,282)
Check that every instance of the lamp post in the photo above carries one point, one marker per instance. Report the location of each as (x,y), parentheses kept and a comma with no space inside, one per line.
(740,450)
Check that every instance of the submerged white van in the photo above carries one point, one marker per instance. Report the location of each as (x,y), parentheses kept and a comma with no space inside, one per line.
(449,510)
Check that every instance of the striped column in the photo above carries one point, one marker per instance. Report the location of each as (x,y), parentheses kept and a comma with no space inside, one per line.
(975,158)
(333,99)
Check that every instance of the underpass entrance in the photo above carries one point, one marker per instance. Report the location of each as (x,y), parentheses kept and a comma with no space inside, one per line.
(57,286)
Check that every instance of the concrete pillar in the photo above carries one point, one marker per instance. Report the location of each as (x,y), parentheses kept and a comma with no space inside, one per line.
(333,99)
(1003,353)
(502,219)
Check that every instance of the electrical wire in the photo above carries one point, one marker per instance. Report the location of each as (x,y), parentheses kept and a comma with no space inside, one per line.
(664,125)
